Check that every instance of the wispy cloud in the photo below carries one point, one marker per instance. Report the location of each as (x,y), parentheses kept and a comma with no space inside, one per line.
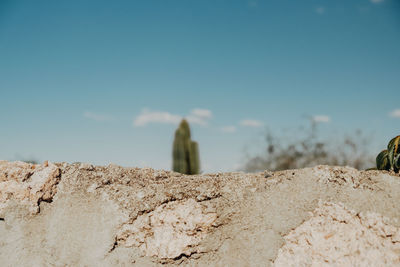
(321,118)
(148,116)
(97,116)
(395,113)
(196,116)
(228,129)
(199,116)
(250,123)
(320,10)
(376,1)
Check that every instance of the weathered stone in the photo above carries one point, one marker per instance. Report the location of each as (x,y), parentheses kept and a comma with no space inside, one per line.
(337,236)
(171,230)
(27,183)
(115,216)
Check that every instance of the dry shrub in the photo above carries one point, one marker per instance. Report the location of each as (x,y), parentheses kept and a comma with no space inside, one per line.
(306,149)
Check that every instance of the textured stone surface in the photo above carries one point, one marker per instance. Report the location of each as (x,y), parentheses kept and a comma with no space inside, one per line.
(28,184)
(171,230)
(83,215)
(337,236)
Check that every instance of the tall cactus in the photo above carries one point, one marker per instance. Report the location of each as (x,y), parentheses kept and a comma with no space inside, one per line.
(185,152)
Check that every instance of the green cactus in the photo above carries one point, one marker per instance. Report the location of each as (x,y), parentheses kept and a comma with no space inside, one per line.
(185,152)
(396,165)
(390,159)
(382,161)
(194,158)
(393,153)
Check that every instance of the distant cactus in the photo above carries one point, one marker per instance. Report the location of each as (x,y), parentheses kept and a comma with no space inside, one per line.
(390,159)
(185,152)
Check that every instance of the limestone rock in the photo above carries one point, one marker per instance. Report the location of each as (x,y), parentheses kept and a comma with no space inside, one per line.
(116,216)
(27,183)
(336,236)
(171,230)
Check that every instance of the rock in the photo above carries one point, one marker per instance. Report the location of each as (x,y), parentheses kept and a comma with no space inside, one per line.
(335,235)
(171,230)
(86,166)
(27,183)
(115,216)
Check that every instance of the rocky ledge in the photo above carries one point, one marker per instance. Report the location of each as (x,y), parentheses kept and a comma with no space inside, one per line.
(58,214)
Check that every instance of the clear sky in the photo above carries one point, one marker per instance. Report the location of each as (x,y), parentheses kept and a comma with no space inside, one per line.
(107,81)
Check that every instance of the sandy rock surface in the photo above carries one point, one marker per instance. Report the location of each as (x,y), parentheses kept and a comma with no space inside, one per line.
(337,236)
(171,230)
(83,215)
(27,183)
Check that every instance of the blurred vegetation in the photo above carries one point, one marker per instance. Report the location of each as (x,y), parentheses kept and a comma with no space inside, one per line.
(307,149)
(32,161)
(185,151)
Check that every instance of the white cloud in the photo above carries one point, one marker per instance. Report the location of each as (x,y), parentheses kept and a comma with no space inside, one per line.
(320,10)
(395,113)
(202,113)
(147,116)
(376,1)
(321,118)
(250,123)
(196,120)
(196,116)
(228,129)
(97,116)
(199,116)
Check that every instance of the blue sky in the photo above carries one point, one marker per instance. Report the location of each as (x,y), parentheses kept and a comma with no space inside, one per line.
(107,81)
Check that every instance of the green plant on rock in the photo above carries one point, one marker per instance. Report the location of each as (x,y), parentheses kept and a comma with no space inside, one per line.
(382,160)
(185,152)
(390,159)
